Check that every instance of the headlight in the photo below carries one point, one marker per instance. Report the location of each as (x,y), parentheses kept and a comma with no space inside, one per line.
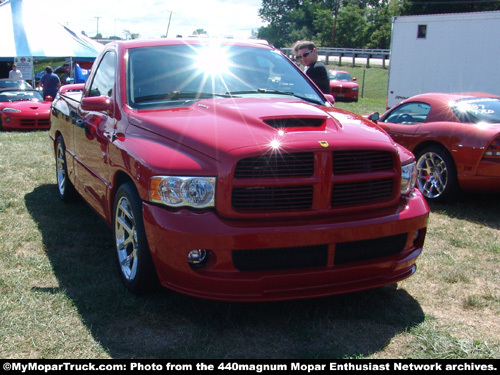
(11,110)
(408,177)
(355,88)
(174,191)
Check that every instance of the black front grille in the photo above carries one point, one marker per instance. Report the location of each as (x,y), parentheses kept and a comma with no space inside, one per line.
(272,198)
(361,192)
(360,161)
(276,165)
(317,255)
(35,123)
(356,251)
(280,258)
(289,181)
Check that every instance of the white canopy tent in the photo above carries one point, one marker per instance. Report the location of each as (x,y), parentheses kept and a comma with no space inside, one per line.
(25,32)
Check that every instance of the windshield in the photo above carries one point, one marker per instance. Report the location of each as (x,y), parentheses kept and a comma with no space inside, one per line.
(177,75)
(16,84)
(477,110)
(339,76)
(14,96)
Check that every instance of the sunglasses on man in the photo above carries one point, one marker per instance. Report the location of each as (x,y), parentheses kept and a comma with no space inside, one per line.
(305,54)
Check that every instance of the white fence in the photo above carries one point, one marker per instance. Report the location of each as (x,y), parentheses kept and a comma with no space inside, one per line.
(356,55)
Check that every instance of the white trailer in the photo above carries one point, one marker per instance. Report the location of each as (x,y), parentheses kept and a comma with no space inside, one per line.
(457,52)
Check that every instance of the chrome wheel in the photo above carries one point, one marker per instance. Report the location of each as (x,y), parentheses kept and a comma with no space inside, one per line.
(61,168)
(136,267)
(437,176)
(66,190)
(126,239)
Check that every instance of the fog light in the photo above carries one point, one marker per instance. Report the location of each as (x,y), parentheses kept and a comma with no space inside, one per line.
(416,236)
(197,257)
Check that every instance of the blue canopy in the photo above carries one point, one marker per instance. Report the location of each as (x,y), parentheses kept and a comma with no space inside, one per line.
(22,34)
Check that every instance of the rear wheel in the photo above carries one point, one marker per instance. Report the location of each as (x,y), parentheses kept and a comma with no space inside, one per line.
(437,174)
(134,259)
(66,190)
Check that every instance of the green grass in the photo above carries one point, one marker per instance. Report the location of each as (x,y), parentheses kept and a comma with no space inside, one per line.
(372,89)
(61,297)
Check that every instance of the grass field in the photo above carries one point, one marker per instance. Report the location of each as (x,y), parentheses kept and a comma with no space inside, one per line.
(61,297)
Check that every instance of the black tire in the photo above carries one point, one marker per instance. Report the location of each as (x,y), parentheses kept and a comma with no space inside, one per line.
(437,174)
(135,265)
(67,191)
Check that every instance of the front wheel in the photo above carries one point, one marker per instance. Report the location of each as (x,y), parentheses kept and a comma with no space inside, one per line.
(67,192)
(437,174)
(134,259)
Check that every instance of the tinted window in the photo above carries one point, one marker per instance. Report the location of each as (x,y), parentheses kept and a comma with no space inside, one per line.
(104,79)
(477,110)
(340,76)
(177,75)
(409,113)
(17,84)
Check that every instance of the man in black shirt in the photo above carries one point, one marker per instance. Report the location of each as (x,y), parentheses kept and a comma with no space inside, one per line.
(307,54)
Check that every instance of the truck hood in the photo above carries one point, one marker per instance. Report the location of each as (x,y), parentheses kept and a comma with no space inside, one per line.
(245,125)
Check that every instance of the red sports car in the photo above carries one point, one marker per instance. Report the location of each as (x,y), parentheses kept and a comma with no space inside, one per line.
(455,138)
(23,110)
(342,86)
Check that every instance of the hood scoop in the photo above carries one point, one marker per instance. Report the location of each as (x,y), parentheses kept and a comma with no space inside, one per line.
(294,122)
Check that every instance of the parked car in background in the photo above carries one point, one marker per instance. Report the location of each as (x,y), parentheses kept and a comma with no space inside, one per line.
(342,86)
(23,110)
(456,140)
(7,83)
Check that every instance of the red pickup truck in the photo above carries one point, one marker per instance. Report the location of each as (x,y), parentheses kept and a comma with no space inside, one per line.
(226,174)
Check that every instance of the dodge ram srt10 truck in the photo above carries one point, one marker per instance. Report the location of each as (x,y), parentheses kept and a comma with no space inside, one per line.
(226,174)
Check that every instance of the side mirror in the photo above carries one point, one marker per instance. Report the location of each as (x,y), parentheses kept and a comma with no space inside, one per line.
(330,98)
(49,98)
(375,116)
(96,103)
(354,78)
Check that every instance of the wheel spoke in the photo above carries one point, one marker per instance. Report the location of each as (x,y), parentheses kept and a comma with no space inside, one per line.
(432,175)
(126,239)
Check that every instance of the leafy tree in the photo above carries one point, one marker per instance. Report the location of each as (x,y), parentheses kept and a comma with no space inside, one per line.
(359,23)
(292,20)
(200,32)
(412,7)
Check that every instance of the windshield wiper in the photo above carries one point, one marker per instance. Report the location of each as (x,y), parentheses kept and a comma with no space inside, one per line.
(180,95)
(276,92)
(261,91)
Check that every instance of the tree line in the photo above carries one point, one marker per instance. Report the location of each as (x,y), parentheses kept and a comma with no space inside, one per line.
(349,23)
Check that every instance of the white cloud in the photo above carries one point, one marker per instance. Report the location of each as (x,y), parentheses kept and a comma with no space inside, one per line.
(150,18)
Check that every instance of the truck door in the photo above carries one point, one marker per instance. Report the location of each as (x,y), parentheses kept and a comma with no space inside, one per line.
(93,138)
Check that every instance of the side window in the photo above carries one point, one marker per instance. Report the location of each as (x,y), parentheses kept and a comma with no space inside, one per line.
(104,79)
(409,113)
(422,32)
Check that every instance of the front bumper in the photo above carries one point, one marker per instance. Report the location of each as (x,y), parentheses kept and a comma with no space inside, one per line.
(25,123)
(173,234)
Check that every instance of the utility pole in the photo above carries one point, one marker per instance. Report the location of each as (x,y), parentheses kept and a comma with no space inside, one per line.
(168,27)
(97,33)
(335,22)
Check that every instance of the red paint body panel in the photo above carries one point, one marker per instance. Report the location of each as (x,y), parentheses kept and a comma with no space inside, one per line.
(174,234)
(227,138)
